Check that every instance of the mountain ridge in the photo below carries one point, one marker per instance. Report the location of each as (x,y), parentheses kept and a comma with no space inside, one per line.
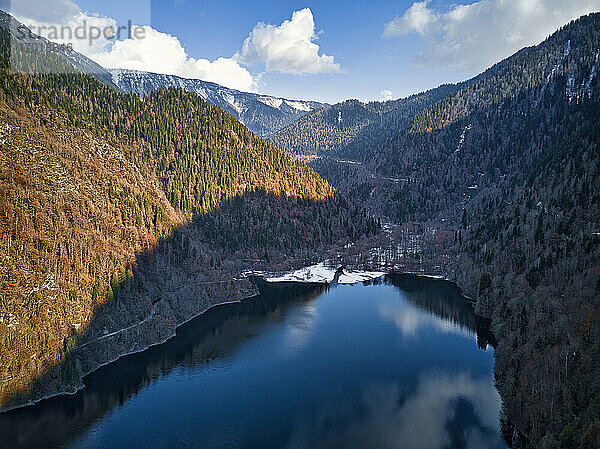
(353,123)
(262,114)
(112,210)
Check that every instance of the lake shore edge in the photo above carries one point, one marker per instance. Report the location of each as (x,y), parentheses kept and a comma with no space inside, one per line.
(270,278)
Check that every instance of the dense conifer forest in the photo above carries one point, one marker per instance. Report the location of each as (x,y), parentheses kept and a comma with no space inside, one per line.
(508,162)
(108,197)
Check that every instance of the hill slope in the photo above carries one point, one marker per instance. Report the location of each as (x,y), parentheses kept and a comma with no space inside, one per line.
(353,126)
(114,208)
(509,163)
(262,114)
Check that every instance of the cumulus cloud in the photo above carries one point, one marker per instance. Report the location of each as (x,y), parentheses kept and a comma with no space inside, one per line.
(62,21)
(287,48)
(162,53)
(475,36)
(151,51)
(417,18)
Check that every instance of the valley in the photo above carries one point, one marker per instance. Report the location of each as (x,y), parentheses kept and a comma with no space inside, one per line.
(507,165)
(134,202)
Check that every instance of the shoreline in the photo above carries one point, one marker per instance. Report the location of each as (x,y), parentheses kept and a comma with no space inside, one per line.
(81,387)
(273,281)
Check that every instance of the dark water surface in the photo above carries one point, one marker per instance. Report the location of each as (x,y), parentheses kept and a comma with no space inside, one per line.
(400,363)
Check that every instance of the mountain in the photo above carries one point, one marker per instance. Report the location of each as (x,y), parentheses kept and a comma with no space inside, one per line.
(352,123)
(114,212)
(505,170)
(262,114)
(20,34)
(330,128)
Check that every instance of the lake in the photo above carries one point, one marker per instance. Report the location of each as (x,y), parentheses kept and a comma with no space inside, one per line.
(399,362)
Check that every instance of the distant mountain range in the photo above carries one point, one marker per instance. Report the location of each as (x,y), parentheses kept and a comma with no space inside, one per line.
(262,114)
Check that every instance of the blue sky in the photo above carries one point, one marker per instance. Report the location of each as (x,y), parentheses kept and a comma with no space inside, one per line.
(363,50)
(351,31)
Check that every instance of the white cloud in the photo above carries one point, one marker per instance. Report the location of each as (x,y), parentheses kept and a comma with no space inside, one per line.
(416,18)
(386,95)
(287,48)
(473,37)
(162,53)
(154,51)
(67,25)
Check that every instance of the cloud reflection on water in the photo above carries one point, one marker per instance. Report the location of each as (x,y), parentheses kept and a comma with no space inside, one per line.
(409,320)
(419,419)
(300,327)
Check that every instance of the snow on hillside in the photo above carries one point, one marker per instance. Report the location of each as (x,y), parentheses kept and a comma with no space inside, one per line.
(262,114)
(299,105)
(322,274)
(270,101)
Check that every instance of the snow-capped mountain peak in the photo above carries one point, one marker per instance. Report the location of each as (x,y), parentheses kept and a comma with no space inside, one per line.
(262,114)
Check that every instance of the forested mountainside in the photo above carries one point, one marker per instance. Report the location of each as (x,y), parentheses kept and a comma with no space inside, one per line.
(113,211)
(353,125)
(20,34)
(329,128)
(262,114)
(510,164)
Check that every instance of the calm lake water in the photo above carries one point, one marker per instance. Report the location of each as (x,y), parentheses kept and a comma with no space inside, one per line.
(401,362)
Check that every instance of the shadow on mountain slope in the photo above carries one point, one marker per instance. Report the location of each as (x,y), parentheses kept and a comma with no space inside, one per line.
(61,420)
(190,271)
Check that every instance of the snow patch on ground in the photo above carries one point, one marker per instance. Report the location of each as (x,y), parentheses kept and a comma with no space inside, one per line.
(321,274)
(270,101)
(116,75)
(315,273)
(428,276)
(200,91)
(298,105)
(346,161)
(232,100)
(353,277)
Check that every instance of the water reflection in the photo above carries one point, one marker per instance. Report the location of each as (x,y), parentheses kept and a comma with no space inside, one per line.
(298,329)
(445,410)
(59,421)
(298,366)
(445,307)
